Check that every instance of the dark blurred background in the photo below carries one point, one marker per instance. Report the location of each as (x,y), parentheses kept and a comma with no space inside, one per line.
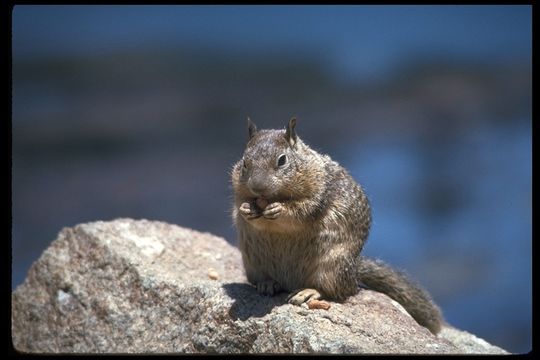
(140,111)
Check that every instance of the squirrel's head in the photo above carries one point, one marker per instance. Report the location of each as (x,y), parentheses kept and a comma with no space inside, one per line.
(270,163)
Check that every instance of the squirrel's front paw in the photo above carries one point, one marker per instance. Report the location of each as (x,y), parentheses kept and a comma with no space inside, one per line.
(249,212)
(273,210)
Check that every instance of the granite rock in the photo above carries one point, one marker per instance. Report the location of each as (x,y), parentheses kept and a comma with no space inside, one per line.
(129,286)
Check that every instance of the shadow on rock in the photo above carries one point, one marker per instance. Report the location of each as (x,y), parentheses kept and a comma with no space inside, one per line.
(248,303)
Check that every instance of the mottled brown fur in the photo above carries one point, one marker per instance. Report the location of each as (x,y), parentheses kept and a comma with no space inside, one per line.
(308,238)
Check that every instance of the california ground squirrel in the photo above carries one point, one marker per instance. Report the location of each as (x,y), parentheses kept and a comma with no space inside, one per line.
(302,221)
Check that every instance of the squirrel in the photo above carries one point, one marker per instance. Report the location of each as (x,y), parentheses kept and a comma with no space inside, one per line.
(302,222)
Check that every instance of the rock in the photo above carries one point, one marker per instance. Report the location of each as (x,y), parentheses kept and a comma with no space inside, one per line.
(129,286)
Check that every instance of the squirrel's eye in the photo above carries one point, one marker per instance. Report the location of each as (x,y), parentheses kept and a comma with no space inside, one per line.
(282,159)
(244,165)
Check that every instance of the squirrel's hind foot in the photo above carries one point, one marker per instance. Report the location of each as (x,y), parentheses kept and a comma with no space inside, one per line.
(300,296)
(268,287)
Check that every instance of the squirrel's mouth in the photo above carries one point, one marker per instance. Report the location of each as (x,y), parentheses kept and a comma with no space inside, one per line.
(262,202)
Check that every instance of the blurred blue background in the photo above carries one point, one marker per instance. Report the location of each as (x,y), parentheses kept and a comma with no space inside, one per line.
(139,111)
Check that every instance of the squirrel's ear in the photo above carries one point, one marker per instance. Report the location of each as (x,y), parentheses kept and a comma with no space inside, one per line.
(290,134)
(252,129)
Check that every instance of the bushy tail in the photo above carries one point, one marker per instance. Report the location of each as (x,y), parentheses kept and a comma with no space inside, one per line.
(380,277)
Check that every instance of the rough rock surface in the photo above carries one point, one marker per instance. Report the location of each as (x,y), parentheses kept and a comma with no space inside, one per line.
(143,286)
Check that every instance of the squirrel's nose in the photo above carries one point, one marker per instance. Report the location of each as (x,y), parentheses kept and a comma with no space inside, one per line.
(257,185)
